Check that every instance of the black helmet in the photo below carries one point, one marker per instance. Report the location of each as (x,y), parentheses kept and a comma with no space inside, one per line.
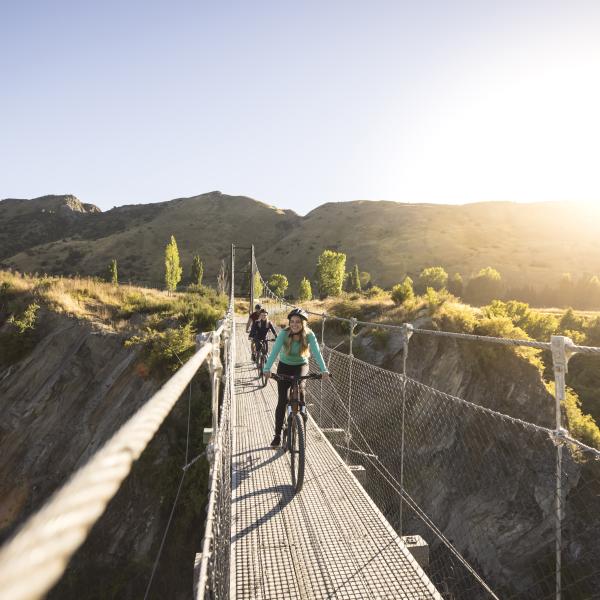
(298,312)
(264,311)
(257,307)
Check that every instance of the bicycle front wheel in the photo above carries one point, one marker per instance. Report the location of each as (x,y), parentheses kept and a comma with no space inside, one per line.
(297,448)
(257,356)
(261,374)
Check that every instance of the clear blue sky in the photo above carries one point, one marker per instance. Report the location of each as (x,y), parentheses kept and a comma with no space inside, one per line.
(300,103)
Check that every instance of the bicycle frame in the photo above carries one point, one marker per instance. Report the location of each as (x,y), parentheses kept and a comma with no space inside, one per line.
(261,349)
(294,434)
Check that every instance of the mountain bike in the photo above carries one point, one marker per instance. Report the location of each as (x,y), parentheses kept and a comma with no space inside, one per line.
(294,436)
(262,351)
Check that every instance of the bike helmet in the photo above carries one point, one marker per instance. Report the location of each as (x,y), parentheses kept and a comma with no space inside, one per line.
(264,311)
(298,312)
(257,307)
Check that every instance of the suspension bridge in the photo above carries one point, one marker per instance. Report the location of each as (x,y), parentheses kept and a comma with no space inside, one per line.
(410,492)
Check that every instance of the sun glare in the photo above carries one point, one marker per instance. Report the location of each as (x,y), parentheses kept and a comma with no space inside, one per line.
(520,131)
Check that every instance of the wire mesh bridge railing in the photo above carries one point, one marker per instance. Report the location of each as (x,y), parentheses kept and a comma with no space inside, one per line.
(509,508)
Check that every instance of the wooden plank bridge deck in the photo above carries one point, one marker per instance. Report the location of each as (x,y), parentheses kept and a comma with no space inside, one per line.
(330,540)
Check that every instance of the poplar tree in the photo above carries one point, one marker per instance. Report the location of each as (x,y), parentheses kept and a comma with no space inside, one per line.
(172,268)
(355,285)
(197,271)
(112,272)
(305,293)
(331,272)
(258,286)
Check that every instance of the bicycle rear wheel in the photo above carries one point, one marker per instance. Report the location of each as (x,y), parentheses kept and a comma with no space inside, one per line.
(257,355)
(297,448)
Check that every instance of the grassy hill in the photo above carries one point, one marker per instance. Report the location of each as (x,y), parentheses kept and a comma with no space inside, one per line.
(136,236)
(530,244)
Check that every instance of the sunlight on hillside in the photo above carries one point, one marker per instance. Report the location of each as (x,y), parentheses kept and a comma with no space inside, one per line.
(112,305)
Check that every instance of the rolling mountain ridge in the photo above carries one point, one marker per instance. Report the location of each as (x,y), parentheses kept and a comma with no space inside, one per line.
(529,244)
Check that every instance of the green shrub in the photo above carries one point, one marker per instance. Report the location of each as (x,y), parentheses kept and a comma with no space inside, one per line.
(484,287)
(457,318)
(499,326)
(402,292)
(27,320)
(592,333)
(433,277)
(165,350)
(570,322)
(374,292)
(581,426)
(578,337)
(538,326)
(380,337)
(436,299)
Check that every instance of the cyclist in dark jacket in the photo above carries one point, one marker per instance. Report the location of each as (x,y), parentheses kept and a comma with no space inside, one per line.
(253,317)
(251,320)
(261,327)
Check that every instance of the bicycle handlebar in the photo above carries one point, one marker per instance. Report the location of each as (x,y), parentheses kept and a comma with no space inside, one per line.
(280,377)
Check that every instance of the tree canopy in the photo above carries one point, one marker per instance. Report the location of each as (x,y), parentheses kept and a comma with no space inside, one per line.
(484,287)
(279,284)
(305,293)
(402,292)
(433,277)
(197,271)
(113,274)
(172,267)
(331,270)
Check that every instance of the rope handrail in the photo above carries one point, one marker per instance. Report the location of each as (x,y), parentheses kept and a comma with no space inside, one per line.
(36,557)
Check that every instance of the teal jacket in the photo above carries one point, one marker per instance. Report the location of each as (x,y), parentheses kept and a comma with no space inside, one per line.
(294,358)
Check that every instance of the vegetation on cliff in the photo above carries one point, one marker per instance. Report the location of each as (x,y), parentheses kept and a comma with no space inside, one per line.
(165,324)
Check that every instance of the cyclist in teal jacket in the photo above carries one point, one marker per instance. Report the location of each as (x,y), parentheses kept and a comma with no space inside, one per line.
(293,346)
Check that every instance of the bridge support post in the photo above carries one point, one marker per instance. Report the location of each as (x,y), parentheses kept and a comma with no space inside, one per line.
(353,322)
(561,352)
(215,368)
(418,547)
(407,331)
(252,274)
(321,381)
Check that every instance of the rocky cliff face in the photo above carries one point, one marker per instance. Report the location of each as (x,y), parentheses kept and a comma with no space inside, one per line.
(487,482)
(25,224)
(59,405)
